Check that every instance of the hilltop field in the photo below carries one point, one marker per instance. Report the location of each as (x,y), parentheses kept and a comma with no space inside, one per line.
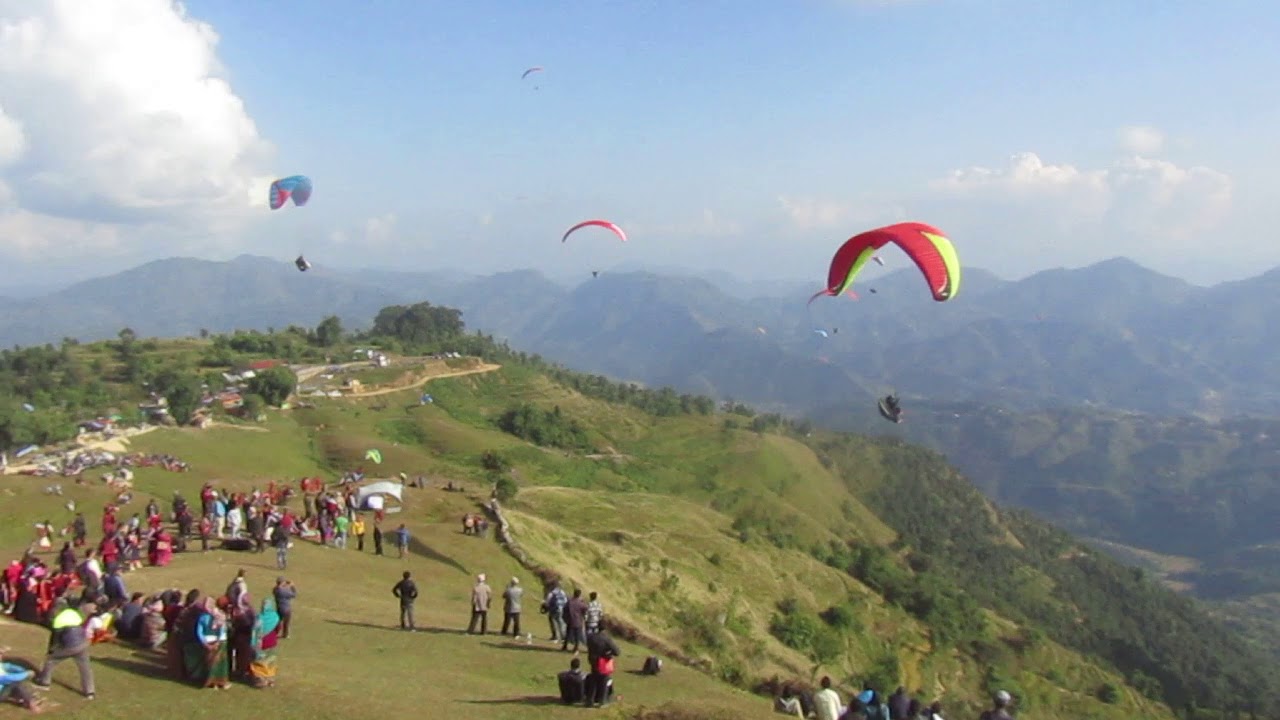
(693,528)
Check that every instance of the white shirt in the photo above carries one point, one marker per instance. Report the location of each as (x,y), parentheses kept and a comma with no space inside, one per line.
(827,704)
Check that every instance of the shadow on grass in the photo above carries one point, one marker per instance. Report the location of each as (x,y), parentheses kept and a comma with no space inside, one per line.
(396,628)
(417,547)
(514,645)
(147,666)
(522,700)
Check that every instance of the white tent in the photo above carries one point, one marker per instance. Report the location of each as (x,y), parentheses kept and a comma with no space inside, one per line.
(373,496)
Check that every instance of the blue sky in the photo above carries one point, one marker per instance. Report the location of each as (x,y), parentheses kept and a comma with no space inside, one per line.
(751,136)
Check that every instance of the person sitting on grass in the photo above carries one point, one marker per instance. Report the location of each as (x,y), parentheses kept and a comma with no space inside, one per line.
(15,684)
(572,683)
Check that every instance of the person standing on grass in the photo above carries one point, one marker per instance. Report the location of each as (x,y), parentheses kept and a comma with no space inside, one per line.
(280,541)
(575,615)
(595,615)
(284,594)
(377,538)
(481,597)
(554,604)
(340,526)
(407,592)
(402,540)
(357,529)
(511,607)
(68,641)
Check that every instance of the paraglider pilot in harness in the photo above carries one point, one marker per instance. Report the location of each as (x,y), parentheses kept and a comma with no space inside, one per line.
(890,408)
(302,264)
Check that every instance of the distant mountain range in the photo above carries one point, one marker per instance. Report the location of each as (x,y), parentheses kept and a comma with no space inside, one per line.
(1113,334)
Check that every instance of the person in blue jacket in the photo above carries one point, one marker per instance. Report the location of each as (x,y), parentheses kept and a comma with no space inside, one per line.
(15,684)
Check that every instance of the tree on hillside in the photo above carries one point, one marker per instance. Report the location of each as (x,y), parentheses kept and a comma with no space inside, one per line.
(329,331)
(181,391)
(275,385)
(251,406)
(418,324)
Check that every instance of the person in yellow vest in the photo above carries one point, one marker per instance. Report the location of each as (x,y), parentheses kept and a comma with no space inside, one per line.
(357,529)
(68,641)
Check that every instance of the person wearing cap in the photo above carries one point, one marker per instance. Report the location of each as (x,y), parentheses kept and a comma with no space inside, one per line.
(68,641)
(511,607)
(1001,709)
(481,597)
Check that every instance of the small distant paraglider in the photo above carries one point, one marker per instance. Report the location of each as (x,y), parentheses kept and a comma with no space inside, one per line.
(530,71)
(596,223)
(28,407)
(426,399)
(302,264)
(611,227)
(373,454)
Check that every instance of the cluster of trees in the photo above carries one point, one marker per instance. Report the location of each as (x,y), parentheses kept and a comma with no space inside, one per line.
(549,428)
(953,617)
(419,325)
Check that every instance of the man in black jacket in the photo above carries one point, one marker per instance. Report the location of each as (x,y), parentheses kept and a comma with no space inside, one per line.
(407,591)
(601,650)
(69,640)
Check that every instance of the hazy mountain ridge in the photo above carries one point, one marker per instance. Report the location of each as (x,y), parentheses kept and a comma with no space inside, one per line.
(1114,333)
(1202,495)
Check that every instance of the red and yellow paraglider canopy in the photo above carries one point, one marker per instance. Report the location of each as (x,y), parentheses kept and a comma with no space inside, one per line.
(926,245)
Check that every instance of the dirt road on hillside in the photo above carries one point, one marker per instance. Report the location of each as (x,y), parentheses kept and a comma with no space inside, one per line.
(484,368)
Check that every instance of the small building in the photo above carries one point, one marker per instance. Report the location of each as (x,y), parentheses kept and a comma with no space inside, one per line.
(258,365)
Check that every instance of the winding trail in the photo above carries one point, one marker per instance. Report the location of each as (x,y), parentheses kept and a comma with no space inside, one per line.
(483,368)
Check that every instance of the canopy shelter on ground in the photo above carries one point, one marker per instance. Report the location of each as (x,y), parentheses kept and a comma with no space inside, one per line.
(375,496)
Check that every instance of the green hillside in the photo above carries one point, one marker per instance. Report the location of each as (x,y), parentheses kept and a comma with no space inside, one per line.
(752,548)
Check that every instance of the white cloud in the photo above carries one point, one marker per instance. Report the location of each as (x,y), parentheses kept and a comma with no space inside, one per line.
(380,231)
(814,213)
(1141,139)
(117,123)
(1046,213)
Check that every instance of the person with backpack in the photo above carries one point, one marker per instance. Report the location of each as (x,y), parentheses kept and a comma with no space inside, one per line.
(554,605)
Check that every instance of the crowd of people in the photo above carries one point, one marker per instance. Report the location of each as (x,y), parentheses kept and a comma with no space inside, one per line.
(210,639)
(825,704)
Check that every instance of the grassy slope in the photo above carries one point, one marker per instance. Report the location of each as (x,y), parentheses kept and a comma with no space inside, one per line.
(596,521)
